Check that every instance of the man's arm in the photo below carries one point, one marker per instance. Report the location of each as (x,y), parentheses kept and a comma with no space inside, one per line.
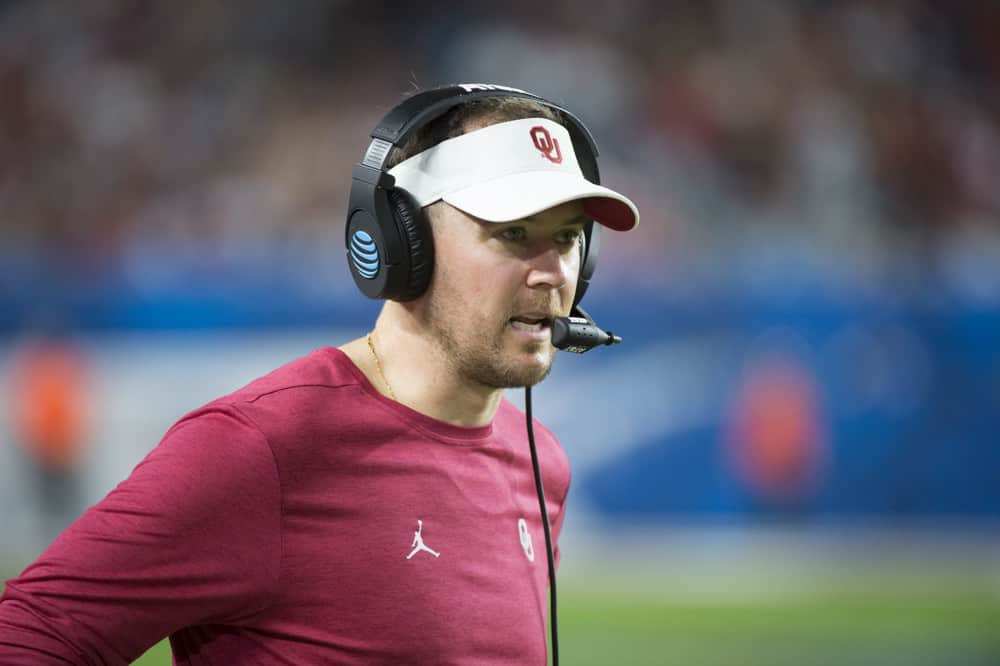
(191,537)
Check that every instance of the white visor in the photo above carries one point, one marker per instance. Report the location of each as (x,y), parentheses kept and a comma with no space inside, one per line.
(510,171)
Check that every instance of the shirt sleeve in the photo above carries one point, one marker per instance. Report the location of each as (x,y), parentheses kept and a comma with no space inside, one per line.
(192,536)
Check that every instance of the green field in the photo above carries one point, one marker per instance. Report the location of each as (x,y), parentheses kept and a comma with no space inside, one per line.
(614,629)
(873,627)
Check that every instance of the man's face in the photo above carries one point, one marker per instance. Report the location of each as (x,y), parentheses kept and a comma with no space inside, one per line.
(496,288)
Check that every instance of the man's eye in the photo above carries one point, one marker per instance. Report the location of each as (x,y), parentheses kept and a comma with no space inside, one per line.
(568,236)
(513,233)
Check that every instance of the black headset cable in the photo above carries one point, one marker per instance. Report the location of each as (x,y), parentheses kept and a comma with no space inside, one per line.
(553,624)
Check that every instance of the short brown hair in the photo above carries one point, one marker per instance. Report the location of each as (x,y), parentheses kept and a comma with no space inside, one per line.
(466,117)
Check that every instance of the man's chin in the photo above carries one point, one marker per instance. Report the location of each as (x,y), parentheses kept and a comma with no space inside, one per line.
(530,372)
(512,365)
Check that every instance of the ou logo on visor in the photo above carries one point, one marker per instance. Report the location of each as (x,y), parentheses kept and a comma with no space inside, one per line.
(548,146)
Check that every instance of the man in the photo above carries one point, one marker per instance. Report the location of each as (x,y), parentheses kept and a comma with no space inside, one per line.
(374,503)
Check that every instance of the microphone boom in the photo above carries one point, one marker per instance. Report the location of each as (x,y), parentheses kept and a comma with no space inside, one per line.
(578,333)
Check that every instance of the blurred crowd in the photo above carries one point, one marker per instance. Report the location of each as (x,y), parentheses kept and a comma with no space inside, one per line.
(149,146)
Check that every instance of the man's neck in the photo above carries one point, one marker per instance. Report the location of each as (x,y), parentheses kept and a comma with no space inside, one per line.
(421,376)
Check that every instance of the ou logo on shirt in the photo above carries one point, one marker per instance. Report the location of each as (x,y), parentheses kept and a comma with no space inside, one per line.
(529,548)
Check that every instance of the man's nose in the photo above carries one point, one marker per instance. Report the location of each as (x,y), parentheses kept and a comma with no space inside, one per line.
(550,267)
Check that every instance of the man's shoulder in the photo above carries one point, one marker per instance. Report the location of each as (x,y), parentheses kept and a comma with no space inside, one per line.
(306,384)
(318,393)
(320,370)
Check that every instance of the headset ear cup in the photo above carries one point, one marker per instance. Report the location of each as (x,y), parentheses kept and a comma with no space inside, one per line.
(419,245)
(589,246)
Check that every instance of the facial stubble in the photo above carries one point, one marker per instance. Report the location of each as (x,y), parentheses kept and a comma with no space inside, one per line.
(478,354)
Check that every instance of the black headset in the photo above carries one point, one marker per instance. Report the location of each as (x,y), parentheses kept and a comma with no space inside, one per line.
(389,246)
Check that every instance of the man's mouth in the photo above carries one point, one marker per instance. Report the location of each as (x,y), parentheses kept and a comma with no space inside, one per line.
(531,322)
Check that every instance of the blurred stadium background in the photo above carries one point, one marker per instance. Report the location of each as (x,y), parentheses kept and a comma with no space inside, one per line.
(793,459)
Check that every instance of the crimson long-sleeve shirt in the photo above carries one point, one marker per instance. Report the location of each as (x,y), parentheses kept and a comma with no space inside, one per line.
(304,519)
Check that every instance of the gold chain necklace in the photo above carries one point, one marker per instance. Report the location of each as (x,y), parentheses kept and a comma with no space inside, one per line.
(378,366)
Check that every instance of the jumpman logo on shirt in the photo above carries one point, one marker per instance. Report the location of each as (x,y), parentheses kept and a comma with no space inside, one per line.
(418,542)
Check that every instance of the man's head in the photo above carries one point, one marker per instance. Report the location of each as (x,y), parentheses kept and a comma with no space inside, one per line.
(492,190)
(490,315)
